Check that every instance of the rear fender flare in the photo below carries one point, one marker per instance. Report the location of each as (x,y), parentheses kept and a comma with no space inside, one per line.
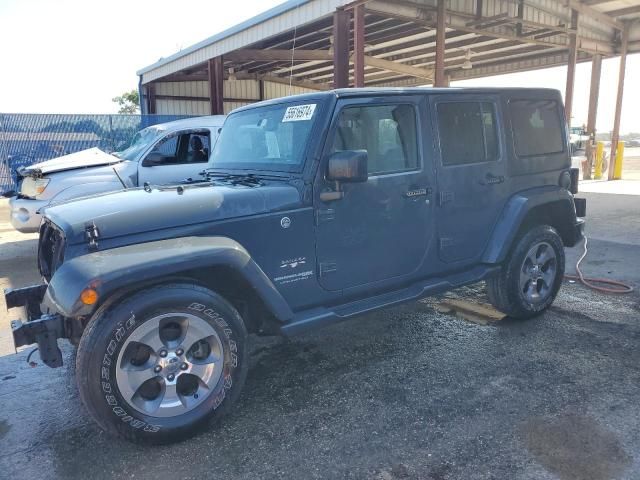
(515,213)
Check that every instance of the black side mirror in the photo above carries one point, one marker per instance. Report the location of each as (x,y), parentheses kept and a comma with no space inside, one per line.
(153,159)
(349,166)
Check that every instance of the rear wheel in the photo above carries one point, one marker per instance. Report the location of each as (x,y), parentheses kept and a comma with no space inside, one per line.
(160,364)
(531,276)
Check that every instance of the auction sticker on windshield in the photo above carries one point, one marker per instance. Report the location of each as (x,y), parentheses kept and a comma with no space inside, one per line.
(299,112)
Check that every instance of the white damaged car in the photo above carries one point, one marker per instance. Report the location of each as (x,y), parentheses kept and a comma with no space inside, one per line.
(160,154)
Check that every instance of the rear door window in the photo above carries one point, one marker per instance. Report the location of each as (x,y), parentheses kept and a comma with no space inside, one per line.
(537,127)
(467,132)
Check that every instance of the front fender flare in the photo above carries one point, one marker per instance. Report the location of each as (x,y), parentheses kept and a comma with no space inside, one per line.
(111,270)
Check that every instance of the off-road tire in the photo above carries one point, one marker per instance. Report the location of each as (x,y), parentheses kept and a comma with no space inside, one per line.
(105,336)
(504,288)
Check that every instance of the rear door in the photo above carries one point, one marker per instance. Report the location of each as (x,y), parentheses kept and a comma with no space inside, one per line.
(472,186)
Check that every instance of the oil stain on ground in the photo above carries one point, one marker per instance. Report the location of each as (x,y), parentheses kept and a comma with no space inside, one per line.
(575,447)
(4,428)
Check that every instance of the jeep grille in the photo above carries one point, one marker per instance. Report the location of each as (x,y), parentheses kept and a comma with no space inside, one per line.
(50,249)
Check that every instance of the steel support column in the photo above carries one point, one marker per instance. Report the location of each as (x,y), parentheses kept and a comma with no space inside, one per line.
(341,22)
(216,85)
(594,91)
(615,135)
(520,15)
(358,46)
(439,80)
(571,67)
(478,9)
(151,98)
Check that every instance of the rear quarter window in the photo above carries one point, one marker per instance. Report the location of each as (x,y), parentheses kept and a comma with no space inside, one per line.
(537,127)
(539,136)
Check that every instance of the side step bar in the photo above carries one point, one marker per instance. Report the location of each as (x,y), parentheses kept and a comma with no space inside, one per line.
(316,317)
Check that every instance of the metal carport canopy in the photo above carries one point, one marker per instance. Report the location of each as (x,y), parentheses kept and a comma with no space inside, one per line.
(391,43)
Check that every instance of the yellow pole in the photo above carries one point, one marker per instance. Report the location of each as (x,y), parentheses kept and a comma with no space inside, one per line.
(617,173)
(599,155)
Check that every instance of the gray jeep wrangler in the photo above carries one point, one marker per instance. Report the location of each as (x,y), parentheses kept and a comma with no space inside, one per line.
(317,208)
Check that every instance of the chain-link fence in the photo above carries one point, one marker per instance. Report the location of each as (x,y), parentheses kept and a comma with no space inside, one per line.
(26,139)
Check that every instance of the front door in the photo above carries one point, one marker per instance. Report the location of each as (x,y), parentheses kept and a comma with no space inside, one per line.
(472,188)
(379,229)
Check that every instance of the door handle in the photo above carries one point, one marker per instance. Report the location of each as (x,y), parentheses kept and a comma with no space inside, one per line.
(418,192)
(491,179)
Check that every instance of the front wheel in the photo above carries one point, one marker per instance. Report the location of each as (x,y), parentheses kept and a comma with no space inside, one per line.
(162,363)
(531,276)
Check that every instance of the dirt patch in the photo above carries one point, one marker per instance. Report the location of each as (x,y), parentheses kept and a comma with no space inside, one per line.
(575,447)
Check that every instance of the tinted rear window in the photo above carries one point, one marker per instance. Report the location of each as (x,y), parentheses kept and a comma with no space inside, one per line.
(537,127)
(467,132)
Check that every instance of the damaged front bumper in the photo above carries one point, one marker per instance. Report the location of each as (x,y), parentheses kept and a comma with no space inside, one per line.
(43,329)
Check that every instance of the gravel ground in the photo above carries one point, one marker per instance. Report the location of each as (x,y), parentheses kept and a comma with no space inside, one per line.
(404,393)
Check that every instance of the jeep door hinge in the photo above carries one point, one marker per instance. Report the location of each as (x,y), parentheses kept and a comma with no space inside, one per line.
(446,197)
(325,215)
(327,267)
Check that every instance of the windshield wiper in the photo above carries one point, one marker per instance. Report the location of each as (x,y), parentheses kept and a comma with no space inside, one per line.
(248,179)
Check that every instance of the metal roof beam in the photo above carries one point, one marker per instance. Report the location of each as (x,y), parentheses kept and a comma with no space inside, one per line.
(294,83)
(593,13)
(623,11)
(550,58)
(269,55)
(458,22)
(455,64)
(480,21)
(596,2)
(425,51)
(454,58)
(398,67)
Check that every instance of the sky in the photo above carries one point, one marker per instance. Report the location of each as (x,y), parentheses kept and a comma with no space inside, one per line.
(74,56)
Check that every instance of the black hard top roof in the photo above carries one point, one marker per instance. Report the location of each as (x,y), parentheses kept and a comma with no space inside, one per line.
(364,92)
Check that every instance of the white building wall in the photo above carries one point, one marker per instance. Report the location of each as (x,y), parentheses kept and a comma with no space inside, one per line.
(183,89)
(237,93)
(182,107)
(277,90)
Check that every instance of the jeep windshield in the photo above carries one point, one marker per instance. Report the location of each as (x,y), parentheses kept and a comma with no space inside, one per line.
(272,137)
(139,143)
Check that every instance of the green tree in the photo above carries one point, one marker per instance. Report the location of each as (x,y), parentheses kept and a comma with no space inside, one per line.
(129,102)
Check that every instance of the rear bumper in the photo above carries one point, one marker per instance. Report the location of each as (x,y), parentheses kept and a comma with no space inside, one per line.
(24,216)
(38,328)
(578,232)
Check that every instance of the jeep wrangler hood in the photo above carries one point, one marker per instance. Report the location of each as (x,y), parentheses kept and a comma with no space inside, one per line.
(134,211)
(92,157)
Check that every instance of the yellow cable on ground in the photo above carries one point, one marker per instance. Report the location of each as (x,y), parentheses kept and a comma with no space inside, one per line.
(618,287)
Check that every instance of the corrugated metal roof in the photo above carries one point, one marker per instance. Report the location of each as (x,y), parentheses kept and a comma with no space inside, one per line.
(271,13)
